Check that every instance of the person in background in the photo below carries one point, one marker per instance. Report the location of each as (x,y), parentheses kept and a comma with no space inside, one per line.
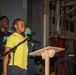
(17,65)
(31,46)
(4,24)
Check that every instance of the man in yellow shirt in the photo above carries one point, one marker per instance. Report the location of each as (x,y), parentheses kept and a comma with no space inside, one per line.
(17,65)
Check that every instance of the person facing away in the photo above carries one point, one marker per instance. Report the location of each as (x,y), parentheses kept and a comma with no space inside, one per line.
(31,46)
(4,24)
(31,42)
(17,65)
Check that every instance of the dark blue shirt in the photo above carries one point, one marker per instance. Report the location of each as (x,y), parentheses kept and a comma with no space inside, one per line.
(31,46)
(3,39)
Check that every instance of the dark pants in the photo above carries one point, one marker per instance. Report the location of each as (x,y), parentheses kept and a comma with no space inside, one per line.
(1,67)
(31,66)
(15,70)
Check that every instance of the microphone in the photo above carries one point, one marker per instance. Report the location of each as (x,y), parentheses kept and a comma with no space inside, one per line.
(36,41)
(34,33)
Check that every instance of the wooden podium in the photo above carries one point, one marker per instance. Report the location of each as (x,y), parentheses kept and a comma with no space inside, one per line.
(46,53)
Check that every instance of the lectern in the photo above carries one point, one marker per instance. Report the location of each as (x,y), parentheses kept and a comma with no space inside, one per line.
(46,53)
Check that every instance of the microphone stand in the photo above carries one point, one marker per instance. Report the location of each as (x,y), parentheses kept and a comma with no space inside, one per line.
(13,50)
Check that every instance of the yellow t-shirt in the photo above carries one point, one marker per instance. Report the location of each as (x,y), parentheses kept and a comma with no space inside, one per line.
(21,52)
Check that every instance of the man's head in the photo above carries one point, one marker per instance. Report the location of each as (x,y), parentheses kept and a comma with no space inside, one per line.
(19,25)
(4,22)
